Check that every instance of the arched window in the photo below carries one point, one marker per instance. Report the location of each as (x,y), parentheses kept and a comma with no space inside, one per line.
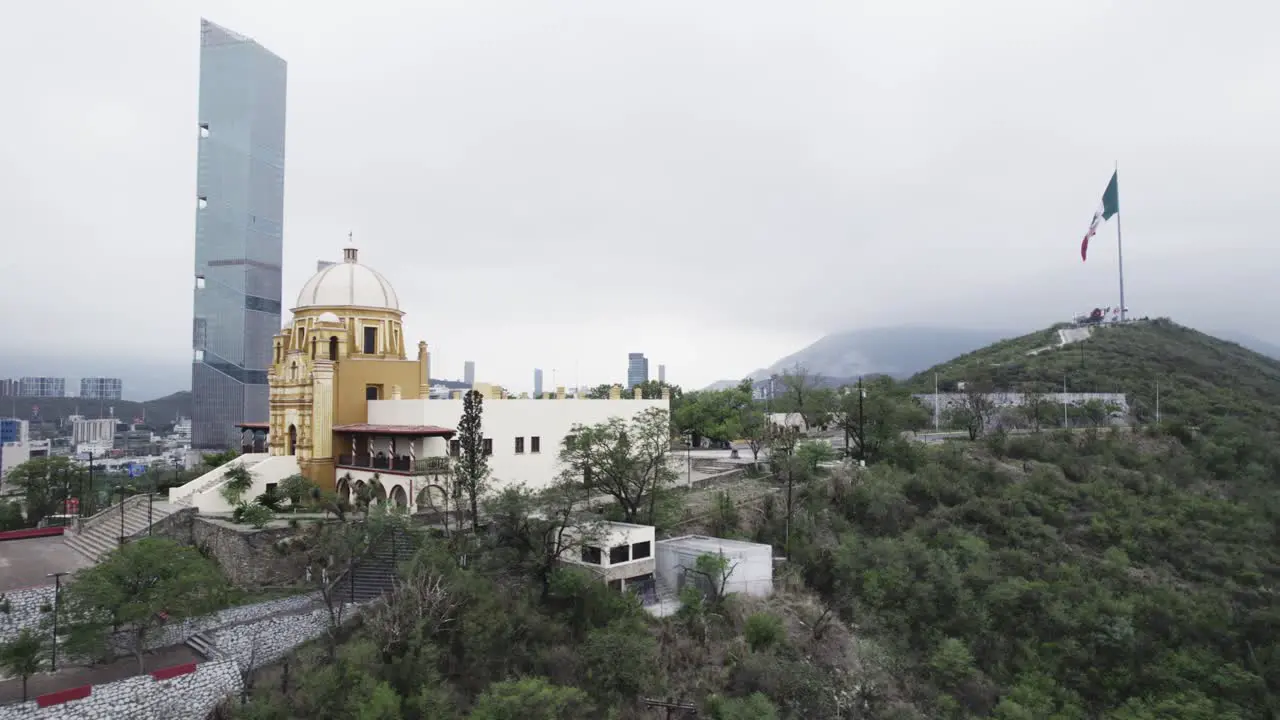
(293,374)
(293,439)
(333,348)
(313,348)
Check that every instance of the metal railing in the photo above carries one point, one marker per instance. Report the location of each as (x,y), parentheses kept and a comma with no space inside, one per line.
(377,462)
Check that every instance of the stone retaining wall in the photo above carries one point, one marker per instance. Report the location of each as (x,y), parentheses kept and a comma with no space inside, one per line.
(177,632)
(193,694)
(247,556)
(256,644)
(24,610)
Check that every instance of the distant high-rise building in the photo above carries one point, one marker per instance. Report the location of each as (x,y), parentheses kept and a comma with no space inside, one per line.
(101,388)
(537,382)
(469,373)
(239,233)
(42,387)
(662,373)
(637,369)
(9,388)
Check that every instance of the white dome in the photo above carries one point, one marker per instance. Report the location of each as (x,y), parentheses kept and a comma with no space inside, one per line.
(348,284)
(328,317)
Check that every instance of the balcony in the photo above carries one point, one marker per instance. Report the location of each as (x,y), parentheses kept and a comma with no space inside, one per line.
(400,464)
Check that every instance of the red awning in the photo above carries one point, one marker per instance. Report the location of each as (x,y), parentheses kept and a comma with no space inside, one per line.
(413,430)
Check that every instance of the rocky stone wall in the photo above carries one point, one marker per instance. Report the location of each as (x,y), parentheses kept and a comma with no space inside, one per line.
(23,610)
(254,645)
(190,695)
(248,557)
(177,632)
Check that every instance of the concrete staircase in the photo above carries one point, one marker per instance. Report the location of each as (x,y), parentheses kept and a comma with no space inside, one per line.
(202,644)
(668,599)
(376,572)
(181,496)
(100,534)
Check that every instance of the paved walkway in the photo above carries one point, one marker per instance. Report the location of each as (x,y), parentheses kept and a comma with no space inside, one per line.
(75,676)
(27,563)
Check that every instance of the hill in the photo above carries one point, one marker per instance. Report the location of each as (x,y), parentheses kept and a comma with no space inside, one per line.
(158,413)
(895,351)
(1202,379)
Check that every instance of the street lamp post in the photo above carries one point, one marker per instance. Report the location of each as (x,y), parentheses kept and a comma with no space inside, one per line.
(90,493)
(57,603)
(688,459)
(122,489)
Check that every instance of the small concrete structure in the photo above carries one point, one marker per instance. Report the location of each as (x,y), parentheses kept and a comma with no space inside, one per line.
(751,563)
(622,554)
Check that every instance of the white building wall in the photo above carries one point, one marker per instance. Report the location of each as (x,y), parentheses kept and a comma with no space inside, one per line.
(752,562)
(93,432)
(504,420)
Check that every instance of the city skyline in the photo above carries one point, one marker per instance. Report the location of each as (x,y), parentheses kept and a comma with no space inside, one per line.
(239,232)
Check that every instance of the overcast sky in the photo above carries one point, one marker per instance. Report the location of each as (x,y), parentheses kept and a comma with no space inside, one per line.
(714,183)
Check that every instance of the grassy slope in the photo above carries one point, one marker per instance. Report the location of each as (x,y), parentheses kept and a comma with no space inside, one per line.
(1201,377)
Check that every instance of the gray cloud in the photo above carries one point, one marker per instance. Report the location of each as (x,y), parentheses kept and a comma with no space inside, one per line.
(717,183)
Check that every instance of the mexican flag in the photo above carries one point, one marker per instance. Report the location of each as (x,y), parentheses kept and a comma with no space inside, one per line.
(1110,206)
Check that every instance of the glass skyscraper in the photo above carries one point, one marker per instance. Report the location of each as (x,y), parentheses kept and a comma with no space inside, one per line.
(637,369)
(239,232)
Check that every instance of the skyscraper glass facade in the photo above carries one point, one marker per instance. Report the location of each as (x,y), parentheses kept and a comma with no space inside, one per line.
(239,232)
(637,369)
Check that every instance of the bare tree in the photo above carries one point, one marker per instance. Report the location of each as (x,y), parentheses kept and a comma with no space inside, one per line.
(420,601)
(973,412)
(803,393)
(756,427)
(714,570)
(1034,406)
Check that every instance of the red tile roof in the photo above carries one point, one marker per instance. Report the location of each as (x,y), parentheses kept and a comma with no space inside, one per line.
(415,430)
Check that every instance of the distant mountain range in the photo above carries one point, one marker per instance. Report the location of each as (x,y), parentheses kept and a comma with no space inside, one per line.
(903,351)
(897,351)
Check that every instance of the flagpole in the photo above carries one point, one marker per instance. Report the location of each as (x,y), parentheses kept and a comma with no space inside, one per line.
(1120,243)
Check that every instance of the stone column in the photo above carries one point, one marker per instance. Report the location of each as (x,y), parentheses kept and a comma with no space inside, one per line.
(635,393)
(615,392)
(424,371)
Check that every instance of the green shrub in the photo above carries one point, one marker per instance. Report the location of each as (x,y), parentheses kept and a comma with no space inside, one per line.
(763,631)
(256,515)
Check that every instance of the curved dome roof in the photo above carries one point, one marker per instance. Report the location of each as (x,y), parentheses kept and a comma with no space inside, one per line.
(348,284)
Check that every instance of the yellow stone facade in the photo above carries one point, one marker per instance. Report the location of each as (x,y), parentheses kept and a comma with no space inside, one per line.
(327,363)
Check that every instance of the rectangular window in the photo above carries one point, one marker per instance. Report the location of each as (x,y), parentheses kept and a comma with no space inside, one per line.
(199,282)
(370,340)
(620,554)
(640,550)
(455,448)
(590,555)
(519,446)
(535,444)
(488,446)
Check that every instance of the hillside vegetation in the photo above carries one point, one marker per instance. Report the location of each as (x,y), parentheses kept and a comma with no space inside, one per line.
(1125,574)
(1203,380)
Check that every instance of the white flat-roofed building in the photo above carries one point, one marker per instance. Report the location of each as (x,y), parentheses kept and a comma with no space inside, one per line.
(620,553)
(93,432)
(751,563)
(525,435)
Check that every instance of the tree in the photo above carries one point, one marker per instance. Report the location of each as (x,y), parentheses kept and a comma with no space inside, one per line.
(238,480)
(296,488)
(11,517)
(755,706)
(652,390)
(138,582)
(543,527)
(20,657)
(805,394)
(713,571)
(625,460)
(782,443)
(877,417)
(213,461)
(532,698)
(44,482)
(756,426)
(715,414)
(973,411)
(600,392)
(1035,406)
(471,468)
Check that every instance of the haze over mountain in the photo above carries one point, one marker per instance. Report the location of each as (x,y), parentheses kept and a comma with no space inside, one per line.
(897,351)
